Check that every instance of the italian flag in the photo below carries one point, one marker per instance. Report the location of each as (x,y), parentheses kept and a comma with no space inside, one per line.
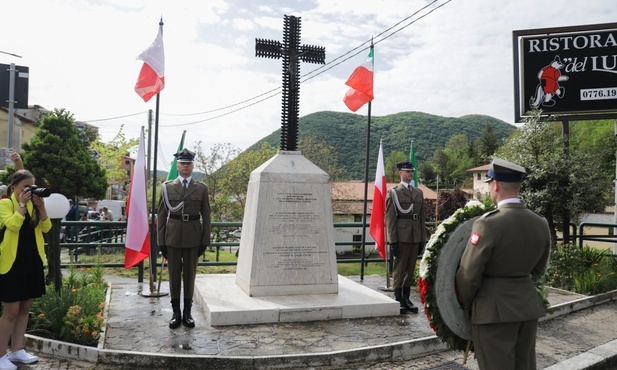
(137,230)
(151,79)
(412,160)
(173,171)
(361,83)
(378,211)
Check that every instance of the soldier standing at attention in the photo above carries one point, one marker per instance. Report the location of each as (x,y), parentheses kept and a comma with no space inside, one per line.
(182,237)
(405,223)
(508,249)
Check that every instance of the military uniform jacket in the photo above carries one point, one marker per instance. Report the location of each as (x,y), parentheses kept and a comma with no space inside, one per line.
(406,228)
(506,249)
(177,233)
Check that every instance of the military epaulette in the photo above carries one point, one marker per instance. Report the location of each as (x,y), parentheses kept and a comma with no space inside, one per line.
(489,213)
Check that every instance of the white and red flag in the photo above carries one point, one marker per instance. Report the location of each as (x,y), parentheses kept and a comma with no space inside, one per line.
(151,79)
(378,211)
(361,85)
(137,230)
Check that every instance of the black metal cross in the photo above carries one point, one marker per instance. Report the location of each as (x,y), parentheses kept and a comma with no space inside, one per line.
(292,53)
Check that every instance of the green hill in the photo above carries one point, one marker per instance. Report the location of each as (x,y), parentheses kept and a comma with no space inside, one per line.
(347,133)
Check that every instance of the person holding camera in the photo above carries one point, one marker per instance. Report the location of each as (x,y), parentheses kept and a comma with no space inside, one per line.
(406,227)
(183,234)
(22,259)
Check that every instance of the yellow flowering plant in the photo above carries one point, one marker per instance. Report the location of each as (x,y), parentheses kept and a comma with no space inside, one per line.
(74,313)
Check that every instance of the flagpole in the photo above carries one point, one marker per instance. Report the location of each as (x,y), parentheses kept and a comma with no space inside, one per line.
(366,159)
(368,141)
(153,246)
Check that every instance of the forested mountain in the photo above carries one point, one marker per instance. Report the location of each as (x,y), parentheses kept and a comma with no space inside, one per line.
(347,133)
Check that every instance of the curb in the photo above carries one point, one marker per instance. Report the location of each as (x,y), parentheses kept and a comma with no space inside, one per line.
(596,358)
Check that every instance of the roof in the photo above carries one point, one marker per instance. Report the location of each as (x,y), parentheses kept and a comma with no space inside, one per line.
(354,191)
(483,168)
(348,197)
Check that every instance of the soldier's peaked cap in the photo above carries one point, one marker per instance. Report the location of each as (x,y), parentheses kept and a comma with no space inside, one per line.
(504,171)
(185,155)
(405,165)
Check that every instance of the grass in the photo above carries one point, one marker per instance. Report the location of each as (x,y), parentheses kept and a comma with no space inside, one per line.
(345,269)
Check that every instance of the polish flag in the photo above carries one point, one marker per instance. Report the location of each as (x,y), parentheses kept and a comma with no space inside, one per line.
(361,85)
(151,79)
(378,211)
(137,230)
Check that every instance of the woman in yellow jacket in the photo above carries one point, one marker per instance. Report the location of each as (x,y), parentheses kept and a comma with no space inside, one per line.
(22,261)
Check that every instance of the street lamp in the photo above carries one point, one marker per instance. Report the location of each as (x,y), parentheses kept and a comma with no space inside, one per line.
(57,207)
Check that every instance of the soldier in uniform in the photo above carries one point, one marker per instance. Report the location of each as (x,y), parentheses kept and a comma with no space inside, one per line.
(183,233)
(405,223)
(507,251)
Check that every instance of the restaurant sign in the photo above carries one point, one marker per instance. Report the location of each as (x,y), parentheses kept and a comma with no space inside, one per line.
(567,71)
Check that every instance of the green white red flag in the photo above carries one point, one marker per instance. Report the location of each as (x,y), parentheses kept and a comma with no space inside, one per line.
(378,211)
(361,85)
(173,171)
(412,160)
(137,230)
(151,79)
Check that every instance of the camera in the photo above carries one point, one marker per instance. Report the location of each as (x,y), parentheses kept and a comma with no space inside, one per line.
(40,192)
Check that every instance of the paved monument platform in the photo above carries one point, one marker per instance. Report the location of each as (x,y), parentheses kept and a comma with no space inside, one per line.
(225,303)
(580,334)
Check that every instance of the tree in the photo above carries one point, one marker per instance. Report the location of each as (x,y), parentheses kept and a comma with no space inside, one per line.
(486,144)
(390,169)
(427,173)
(238,172)
(322,155)
(110,155)
(558,185)
(449,202)
(222,208)
(63,162)
(454,160)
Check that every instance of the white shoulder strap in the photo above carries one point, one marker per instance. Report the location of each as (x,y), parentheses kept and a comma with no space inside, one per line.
(398,204)
(166,200)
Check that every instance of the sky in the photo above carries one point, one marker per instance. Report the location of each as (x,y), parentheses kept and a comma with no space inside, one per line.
(444,57)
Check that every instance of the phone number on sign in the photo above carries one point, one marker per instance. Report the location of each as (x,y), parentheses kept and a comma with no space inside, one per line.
(599,94)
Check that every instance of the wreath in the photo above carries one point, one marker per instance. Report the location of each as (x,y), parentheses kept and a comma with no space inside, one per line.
(428,275)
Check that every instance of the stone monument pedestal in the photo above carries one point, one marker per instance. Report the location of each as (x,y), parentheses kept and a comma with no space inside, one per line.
(287,260)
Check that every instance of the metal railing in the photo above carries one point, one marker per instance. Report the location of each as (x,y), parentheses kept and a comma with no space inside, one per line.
(86,237)
(604,238)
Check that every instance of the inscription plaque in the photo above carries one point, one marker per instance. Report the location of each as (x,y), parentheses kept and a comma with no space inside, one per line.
(287,243)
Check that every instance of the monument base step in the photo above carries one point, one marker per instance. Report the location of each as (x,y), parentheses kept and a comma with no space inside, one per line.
(225,303)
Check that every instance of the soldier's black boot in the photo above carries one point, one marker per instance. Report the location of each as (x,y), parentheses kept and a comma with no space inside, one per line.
(399,299)
(187,319)
(410,306)
(176,319)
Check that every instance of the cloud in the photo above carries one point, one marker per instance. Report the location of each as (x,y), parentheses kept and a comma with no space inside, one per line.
(454,61)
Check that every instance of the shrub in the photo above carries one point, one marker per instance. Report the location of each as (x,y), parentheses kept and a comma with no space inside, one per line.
(74,313)
(589,283)
(592,256)
(565,265)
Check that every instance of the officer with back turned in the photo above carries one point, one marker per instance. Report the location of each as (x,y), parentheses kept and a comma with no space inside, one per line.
(507,251)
